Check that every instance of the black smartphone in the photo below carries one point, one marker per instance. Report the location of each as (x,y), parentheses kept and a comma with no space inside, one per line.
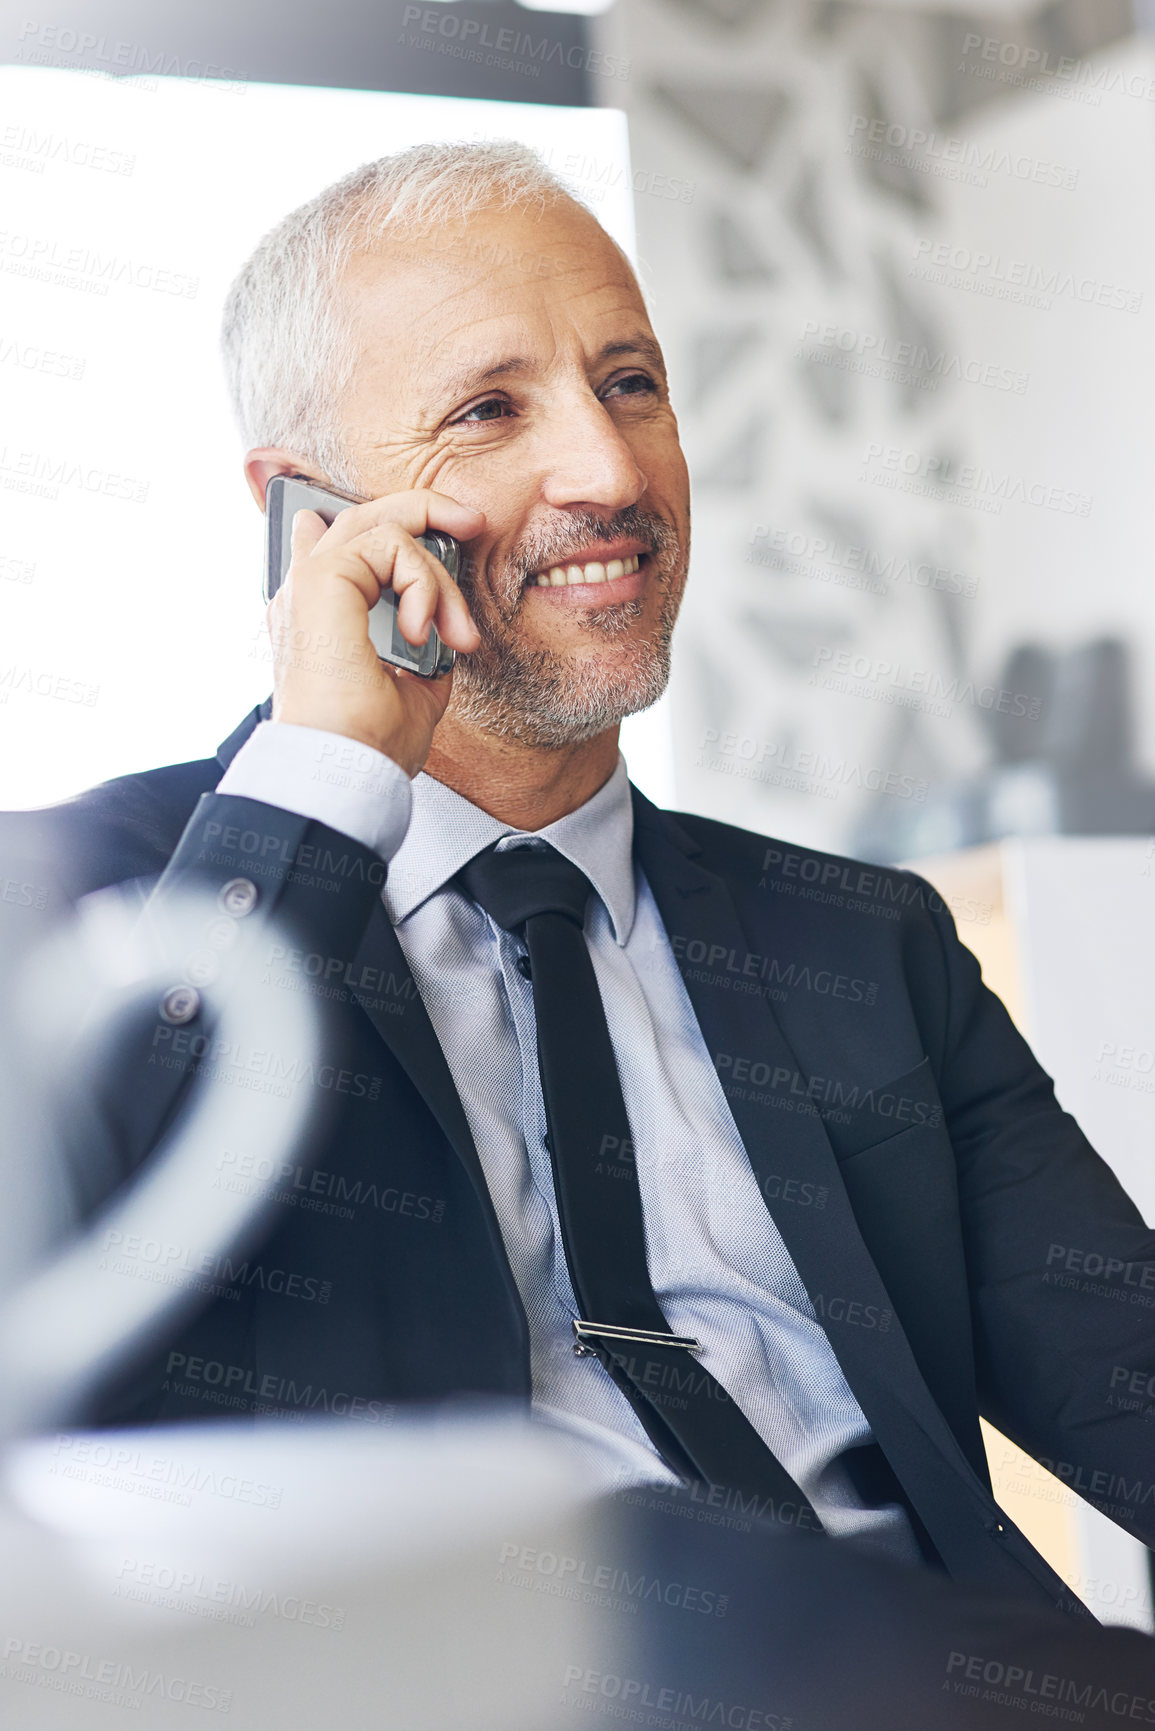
(287,494)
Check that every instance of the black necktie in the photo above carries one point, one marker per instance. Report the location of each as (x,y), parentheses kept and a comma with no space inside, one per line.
(688,1416)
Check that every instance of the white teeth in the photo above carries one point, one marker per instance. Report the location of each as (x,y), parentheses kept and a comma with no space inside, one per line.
(594,572)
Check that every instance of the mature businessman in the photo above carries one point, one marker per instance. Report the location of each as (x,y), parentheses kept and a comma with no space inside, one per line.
(783,1253)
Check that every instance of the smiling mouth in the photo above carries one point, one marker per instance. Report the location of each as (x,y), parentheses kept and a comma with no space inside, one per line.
(560,576)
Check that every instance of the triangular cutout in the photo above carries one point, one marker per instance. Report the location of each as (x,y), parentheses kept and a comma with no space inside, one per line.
(737,257)
(738,120)
(716,356)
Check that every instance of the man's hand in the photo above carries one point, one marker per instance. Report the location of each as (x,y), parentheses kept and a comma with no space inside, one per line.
(326,672)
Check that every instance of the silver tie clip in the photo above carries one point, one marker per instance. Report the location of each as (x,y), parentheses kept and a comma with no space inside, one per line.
(584,1331)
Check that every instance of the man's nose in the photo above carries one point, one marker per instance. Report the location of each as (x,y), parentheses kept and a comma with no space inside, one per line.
(586,460)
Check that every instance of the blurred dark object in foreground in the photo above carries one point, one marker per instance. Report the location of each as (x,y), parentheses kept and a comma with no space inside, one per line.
(459,1569)
(772,1630)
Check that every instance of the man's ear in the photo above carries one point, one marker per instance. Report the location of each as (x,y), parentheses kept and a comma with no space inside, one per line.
(261,466)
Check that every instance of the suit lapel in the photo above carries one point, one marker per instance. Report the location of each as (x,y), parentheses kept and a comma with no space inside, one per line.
(411,1038)
(784,1138)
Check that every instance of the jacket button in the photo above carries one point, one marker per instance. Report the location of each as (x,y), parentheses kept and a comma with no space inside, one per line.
(238,898)
(180,1004)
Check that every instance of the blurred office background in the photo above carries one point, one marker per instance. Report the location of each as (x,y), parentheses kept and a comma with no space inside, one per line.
(910,311)
(901,259)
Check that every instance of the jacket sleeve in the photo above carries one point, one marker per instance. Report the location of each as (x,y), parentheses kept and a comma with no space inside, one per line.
(1061,1266)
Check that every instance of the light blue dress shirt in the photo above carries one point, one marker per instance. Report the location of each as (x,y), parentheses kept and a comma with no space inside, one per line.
(717,1261)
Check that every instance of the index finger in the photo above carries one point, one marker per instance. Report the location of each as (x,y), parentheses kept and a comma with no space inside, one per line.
(305,531)
(414,511)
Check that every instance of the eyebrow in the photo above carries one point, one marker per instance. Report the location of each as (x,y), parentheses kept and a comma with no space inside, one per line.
(469,379)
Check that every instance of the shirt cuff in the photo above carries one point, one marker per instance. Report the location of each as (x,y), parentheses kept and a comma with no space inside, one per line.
(351,787)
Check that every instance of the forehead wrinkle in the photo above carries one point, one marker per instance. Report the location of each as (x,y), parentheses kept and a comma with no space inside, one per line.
(430,393)
(465,380)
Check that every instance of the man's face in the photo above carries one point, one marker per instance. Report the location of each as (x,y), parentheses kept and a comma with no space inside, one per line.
(510,363)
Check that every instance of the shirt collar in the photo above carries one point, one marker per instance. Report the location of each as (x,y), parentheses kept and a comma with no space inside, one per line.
(446,830)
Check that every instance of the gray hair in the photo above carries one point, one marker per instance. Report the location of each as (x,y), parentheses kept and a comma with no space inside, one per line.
(289,350)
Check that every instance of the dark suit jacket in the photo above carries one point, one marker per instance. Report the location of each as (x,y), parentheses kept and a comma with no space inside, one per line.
(947,1218)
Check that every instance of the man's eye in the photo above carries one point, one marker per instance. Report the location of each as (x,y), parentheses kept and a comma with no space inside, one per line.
(634,384)
(490,410)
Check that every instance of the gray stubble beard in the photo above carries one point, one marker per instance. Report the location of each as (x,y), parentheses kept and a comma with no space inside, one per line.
(538,698)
